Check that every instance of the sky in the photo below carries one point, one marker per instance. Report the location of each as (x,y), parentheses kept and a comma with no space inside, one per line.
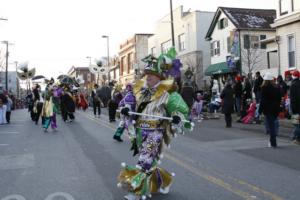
(54,35)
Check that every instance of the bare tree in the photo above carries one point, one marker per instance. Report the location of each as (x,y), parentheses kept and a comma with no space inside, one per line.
(252,57)
(194,63)
(251,53)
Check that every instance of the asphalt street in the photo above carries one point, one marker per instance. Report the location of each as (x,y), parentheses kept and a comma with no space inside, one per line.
(81,162)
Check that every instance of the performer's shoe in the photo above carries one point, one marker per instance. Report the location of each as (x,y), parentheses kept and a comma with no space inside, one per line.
(131,196)
(165,190)
(118,138)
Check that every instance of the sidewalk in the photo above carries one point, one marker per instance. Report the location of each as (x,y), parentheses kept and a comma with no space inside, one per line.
(285,126)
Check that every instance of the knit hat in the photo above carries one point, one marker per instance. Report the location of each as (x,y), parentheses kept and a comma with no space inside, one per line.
(268,76)
(296,74)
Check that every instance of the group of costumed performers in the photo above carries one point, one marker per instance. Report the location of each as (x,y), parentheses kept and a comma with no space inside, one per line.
(154,113)
(56,99)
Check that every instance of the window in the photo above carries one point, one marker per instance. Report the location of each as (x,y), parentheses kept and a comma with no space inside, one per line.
(291,51)
(251,41)
(123,65)
(130,62)
(215,48)
(223,23)
(153,51)
(181,39)
(166,46)
(263,45)
(246,42)
(284,6)
(229,44)
(254,41)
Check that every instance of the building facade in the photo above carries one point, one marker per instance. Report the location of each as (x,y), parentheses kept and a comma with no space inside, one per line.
(130,54)
(13,82)
(83,72)
(235,36)
(189,34)
(287,39)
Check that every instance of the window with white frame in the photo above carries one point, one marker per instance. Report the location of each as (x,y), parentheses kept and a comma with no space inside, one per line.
(254,39)
(166,46)
(251,41)
(181,40)
(291,51)
(215,48)
(284,6)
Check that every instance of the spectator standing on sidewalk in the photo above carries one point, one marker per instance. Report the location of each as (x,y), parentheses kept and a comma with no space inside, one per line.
(238,91)
(9,105)
(2,112)
(270,106)
(295,105)
(282,86)
(257,86)
(228,103)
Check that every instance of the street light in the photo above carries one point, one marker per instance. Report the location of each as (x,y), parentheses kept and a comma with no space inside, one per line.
(4,19)
(107,37)
(6,66)
(172,23)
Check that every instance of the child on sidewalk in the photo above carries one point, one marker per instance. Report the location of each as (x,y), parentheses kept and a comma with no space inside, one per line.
(250,113)
(197,107)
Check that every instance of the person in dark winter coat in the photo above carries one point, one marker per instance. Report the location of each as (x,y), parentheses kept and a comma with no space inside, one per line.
(270,106)
(282,86)
(295,105)
(238,91)
(227,96)
(247,91)
(257,86)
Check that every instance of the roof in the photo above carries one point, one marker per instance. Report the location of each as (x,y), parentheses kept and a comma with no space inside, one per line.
(245,19)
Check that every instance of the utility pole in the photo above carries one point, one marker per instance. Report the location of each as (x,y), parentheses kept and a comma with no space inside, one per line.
(107,37)
(6,65)
(18,82)
(172,23)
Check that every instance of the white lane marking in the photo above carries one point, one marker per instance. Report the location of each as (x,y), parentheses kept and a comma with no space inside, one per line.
(14,197)
(4,145)
(16,161)
(59,194)
(9,132)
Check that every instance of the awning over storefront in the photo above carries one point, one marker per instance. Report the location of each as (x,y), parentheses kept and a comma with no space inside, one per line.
(218,68)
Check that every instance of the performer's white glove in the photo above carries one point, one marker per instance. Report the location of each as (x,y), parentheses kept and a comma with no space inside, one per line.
(176,119)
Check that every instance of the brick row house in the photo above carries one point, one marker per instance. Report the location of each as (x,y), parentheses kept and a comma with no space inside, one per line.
(130,54)
(85,74)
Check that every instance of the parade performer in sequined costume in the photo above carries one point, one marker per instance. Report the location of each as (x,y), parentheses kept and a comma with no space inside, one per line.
(128,101)
(156,98)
